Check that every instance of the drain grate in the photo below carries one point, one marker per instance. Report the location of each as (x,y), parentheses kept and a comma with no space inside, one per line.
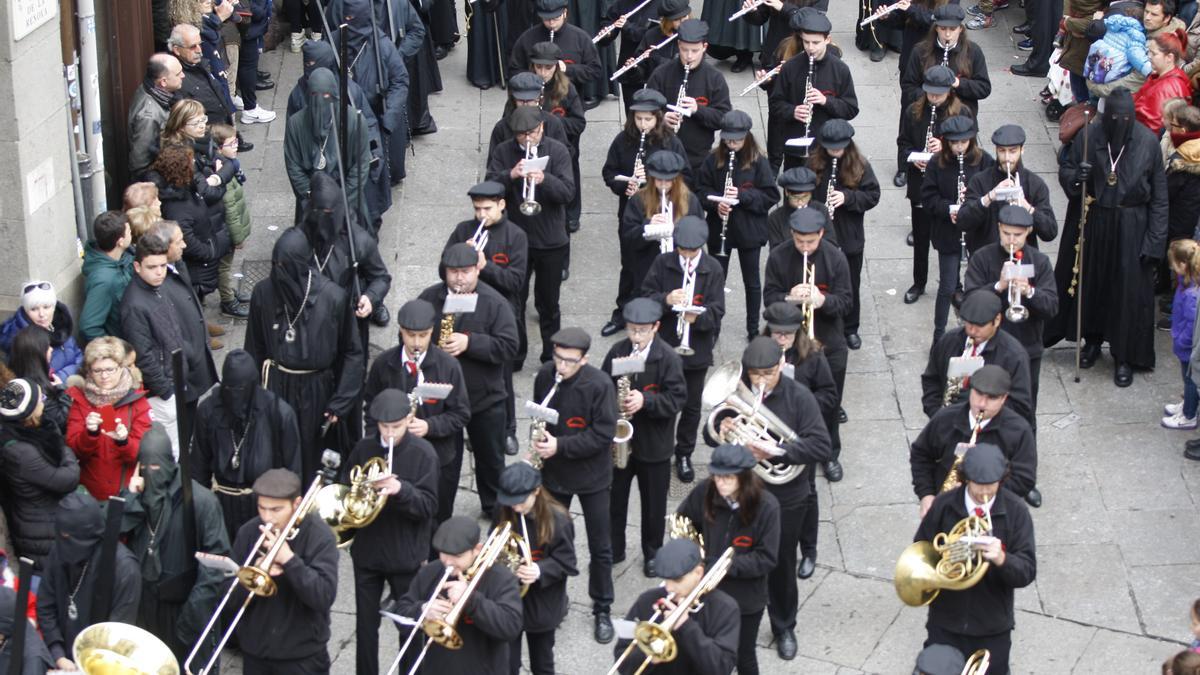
(253,271)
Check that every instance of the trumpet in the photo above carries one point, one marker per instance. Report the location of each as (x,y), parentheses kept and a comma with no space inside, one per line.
(725,392)
(662,232)
(830,188)
(480,239)
(948,562)
(954,478)
(728,187)
(624,432)
(683,327)
(1016,312)
(765,78)
(537,430)
(529,207)
(977,663)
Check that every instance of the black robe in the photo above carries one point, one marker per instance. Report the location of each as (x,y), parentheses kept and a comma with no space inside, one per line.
(1002,350)
(931,456)
(488,33)
(664,392)
(387,91)
(300,161)
(59,580)
(708,642)
(980,223)
(984,272)
(707,85)
(589,16)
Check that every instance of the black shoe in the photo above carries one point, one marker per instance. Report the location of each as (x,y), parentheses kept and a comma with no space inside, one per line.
(909,239)
(1193,444)
(900,180)
(807,567)
(589,103)
(244,145)
(566,273)
(610,328)
(511,446)
(853,341)
(1192,453)
(1089,354)
(604,629)
(877,53)
(833,471)
(262,74)
(440,52)
(1164,324)
(1034,498)
(684,470)
(263,85)
(1123,375)
(914,292)
(425,129)
(648,568)
(235,309)
(742,63)
(842,416)
(786,646)
(381,316)
(1023,29)
(572,226)
(1026,70)
(242,297)
(956,300)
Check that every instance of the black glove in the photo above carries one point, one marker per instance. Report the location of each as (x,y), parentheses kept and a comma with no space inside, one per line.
(1083,173)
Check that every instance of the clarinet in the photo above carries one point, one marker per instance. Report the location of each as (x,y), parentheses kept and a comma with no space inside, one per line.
(929,131)
(725,218)
(946,55)
(829,188)
(808,90)
(551,37)
(638,162)
(961,188)
(683,86)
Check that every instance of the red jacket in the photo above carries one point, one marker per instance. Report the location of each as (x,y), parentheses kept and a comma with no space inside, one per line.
(104,464)
(1148,100)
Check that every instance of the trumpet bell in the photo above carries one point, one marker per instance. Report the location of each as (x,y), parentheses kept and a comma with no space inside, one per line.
(916,578)
(656,642)
(442,633)
(257,580)
(684,350)
(113,648)
(530,208)
(624,431)
(1016,313)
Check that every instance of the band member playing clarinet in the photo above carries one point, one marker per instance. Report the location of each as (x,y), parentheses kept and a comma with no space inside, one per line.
(981,616)
(525,89)
(947,45)
(658,206)
(706,637)
(653,397)
(576,454)
(549,535)
(580,60)
(988,191)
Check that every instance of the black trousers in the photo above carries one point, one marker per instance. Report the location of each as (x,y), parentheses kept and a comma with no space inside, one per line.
(654,481)
(921,226)
(247,71)
(1043,26)
(689,417)
(546,264)
(783,596)
(837,359)
(443,22)
(317,664)
(853,319)
(486,430)
(748,261)
(810,528)
(999,645)
(299,15)
(510,401)
(541,653)
(1035,376)
(368,589)
(599,538)
(747,656)
(448,475)
(625,288)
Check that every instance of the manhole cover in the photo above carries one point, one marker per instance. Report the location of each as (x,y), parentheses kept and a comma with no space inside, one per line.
(254,271)
(679,489)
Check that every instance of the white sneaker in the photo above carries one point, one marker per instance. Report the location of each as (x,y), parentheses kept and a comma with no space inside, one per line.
(237,103)
(257,115)
(1178,421)
(297,41)
(1171,409)
(315,37)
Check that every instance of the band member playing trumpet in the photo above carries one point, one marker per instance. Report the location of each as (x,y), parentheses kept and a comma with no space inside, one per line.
(987,190)
(706,636)
(576,452)
(489,618)
(666,283)
(549,536)
(733,508)
(288,633)
(983,418)
(560,99)
(652,212)
(542,196)
(981,616)
(656,395)
(389,550)
(440,421)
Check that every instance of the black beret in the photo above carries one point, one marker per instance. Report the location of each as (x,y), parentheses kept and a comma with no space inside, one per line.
(984,463)
(545,54)
(550,9)
(488,189)
(730,459)
(810,20)
(991,380)
(835,134)
(762,352)
(648,100)
(783,316)
(940,659)
(524,118)
(277,484)
(798,179)
(517,482)
(980,306)
(691,232)
(693,30)
(665,164)
(735,124)
(957,128)
(525,86)
(1011,214)
(949,15)
(642,311)
(457,535)
(807,220)
(674,9)
(938,80)
(390,405)
(676,558)
(416,315)
(461,254)
(1008,135)
(572,338)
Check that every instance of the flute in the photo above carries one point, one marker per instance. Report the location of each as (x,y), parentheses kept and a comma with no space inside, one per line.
(604,32)
(746,10)
(879,15)
(766,77)
(642,57)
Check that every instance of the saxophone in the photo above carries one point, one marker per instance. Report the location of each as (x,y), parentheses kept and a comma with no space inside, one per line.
(620,446)
(445,330)
(954,384)
(537,430)
(954,478)
(830,187)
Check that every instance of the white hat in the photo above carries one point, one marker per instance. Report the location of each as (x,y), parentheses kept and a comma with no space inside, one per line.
(38,293)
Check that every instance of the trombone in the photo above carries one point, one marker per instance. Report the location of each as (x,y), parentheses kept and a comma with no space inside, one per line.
(529,207)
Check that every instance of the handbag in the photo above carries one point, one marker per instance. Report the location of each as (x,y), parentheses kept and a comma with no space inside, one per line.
(1072,121)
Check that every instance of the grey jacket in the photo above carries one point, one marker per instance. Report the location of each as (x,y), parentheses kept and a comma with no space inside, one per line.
(146,120)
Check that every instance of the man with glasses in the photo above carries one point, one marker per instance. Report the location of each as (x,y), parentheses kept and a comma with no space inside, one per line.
(198,82)
(575,457)
(149,109)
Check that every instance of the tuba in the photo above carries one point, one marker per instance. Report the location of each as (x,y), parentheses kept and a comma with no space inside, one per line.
(346,508)
(725,392)
(926,568)
(620,444)
(113,647)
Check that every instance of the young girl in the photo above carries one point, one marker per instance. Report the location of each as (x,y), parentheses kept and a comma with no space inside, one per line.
(237,220)
(560,98)
(646,207)
(546,526)
(751,182)
(1184,258)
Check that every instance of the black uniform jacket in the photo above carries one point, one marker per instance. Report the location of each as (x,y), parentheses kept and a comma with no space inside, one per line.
(663,394)
(831,76)
(987,607)
(493,342)
(578,52)
(587,420)
(547,229)
(568,111)
(635,78)
(755,545)
(446,417)
(848,218)
(779,229)
(932,455)
(980,222)
(832,277)
(972,87)
(57,628)
(984,271)
(492,619)
(814,373)
(1002,350)
(507,254)
(757,193)
(294,623)
(272,440)
(666,275)
(707,642)
(622,153)
(778,25)
(546,604)
(939,190)
(553,127)
(374,279)
(397,541)
(707,85)
(634,221)
(913,131)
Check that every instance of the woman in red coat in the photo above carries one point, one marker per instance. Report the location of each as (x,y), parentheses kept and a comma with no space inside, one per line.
(109,414)
(1168,81)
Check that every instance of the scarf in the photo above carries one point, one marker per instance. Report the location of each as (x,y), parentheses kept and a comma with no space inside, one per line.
(161,96)
(100,397)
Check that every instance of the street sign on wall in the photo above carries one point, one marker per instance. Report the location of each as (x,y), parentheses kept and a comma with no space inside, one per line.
(27,15)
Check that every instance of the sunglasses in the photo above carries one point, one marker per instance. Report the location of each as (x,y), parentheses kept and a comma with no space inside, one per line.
(43,285)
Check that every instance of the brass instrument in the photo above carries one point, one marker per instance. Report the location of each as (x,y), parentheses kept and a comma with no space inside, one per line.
(926,568)
(445,330)
(829,188)
(808,278)
(954,478)
(537,429)
(977,663)
(113,647)
(663,232)
(683,327)
(346,508)
(529,207)
(1016,312)
(517,552)
(442,631)
(479,240)
(929,131)
(725,392)
(624,432)
(954,384)
(437,590)
(725,218)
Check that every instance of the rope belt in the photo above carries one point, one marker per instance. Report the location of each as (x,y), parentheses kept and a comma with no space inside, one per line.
(268,364)
(231,491)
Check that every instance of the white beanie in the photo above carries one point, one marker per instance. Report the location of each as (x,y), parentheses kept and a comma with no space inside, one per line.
(37,294)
